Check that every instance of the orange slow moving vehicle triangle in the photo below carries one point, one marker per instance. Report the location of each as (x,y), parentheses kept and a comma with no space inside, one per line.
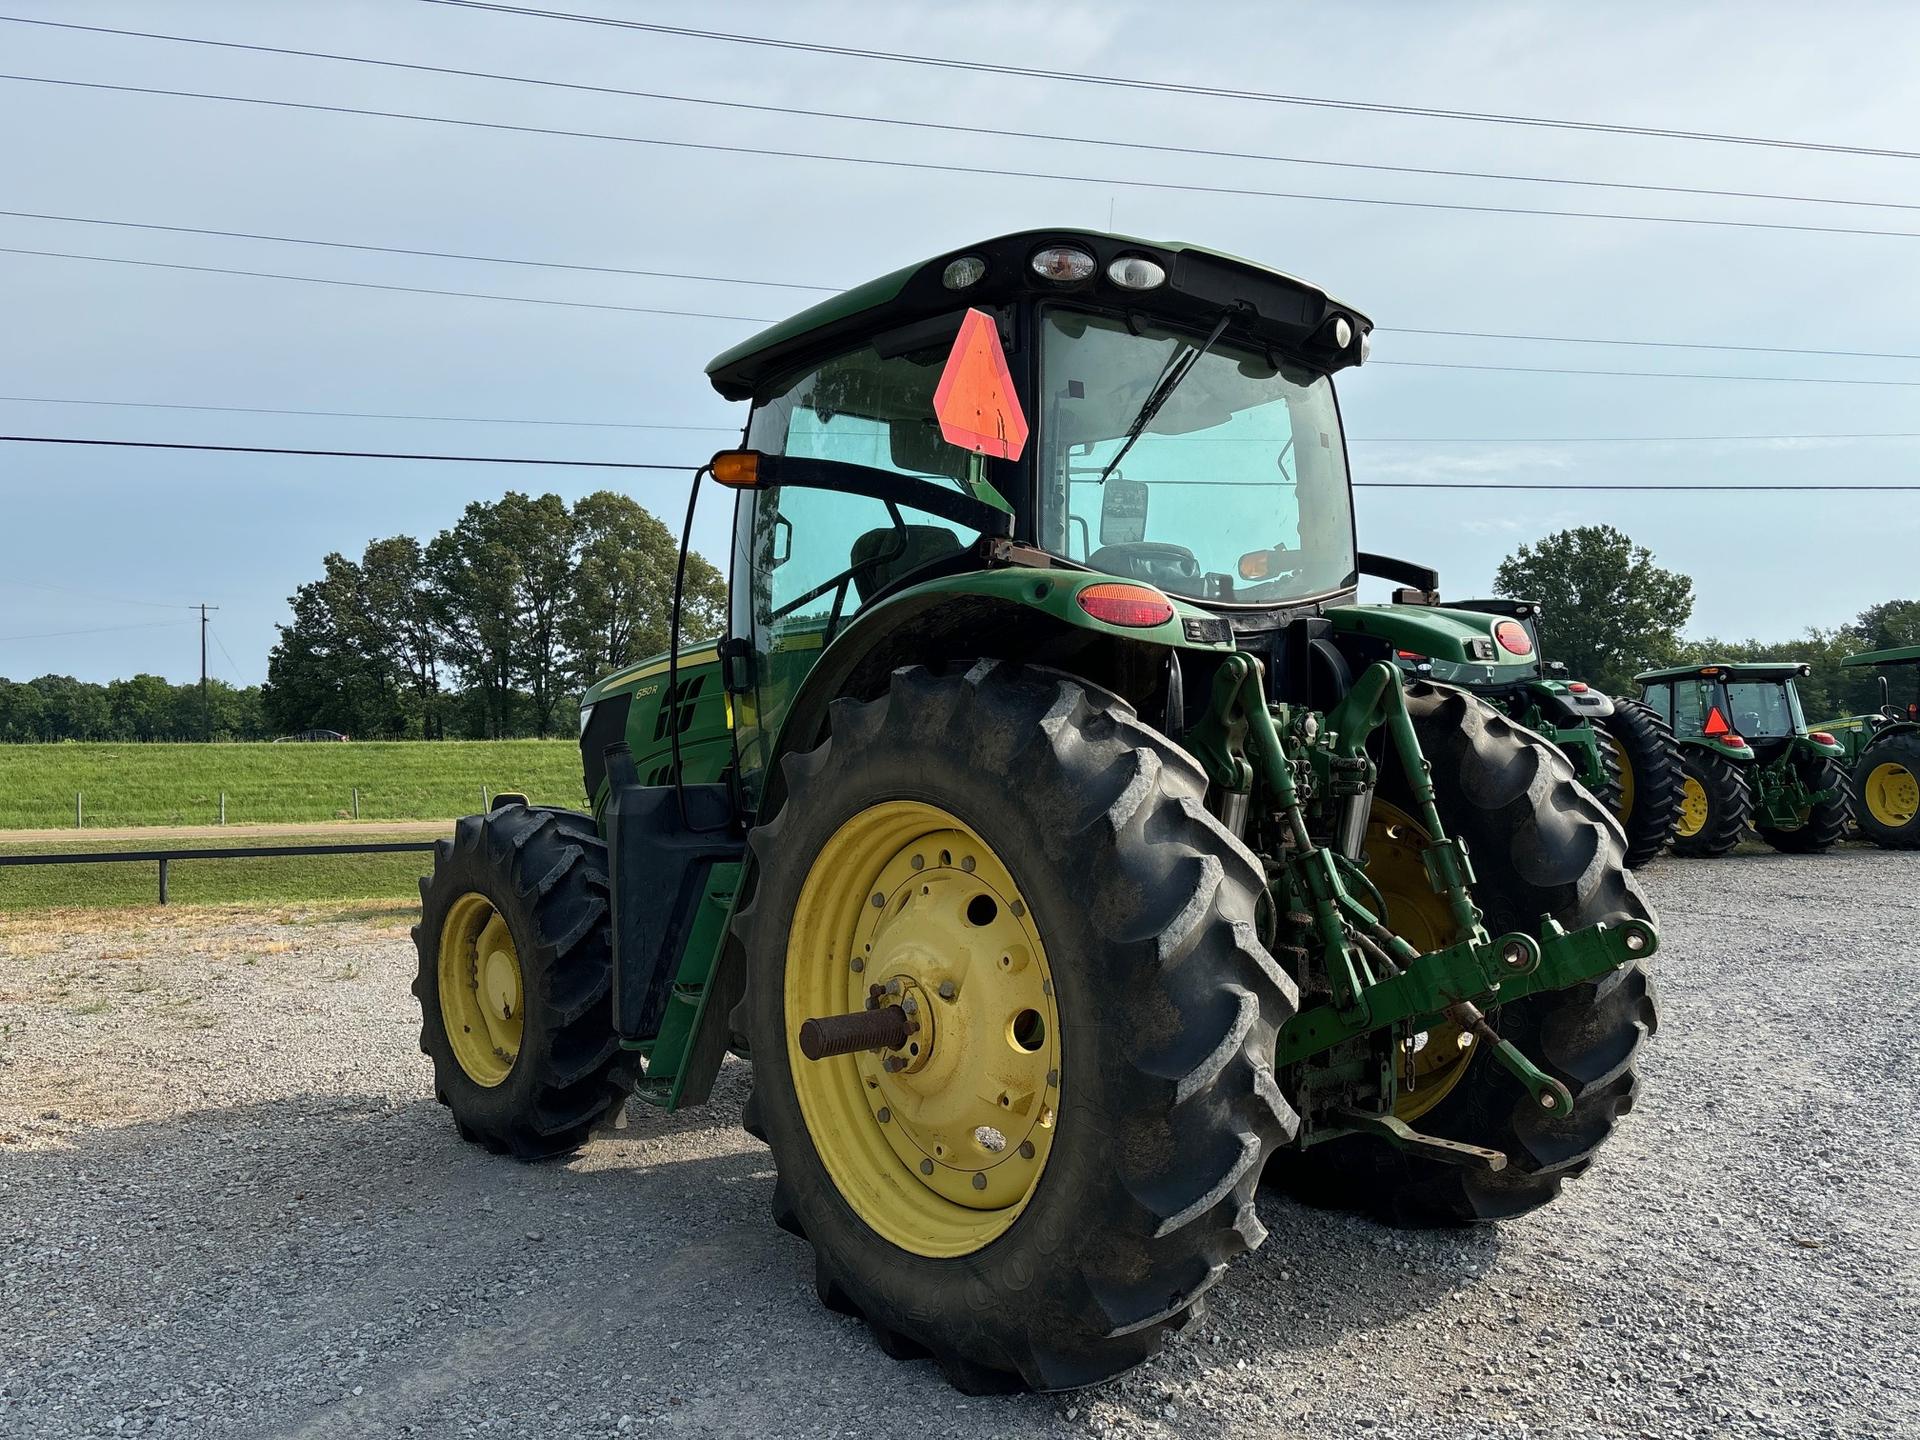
(975,400)
(1716,723)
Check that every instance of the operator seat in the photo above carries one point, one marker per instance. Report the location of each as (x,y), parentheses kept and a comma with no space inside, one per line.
(883,556)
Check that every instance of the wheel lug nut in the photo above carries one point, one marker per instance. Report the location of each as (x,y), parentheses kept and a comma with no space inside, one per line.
(926,1167)
(1026,1149)
(979,1181)
(893,1064)
(912,1006)
(948,990)
(883,1115)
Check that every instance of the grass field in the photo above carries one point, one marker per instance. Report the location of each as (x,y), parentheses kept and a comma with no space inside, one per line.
(182,784)
(274,880)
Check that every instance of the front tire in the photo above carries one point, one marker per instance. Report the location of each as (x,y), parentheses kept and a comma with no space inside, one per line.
(515,981)
(1648,760)
(956,802)
(1886,788)
(1716,804)
(1541,844)
(1826,822)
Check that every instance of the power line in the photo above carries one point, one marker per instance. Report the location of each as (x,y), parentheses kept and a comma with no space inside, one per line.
(91,594)
(735,429)
(370,285)
(340,454)
(1614,439)
(402,250)
(233,669)
(1638,374)
(98,630)
(688,469)
(1099,141)
(944,168)
(1077,77)
(369,414)
(735,280)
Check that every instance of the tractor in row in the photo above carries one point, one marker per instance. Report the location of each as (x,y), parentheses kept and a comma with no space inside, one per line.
(1882,750)
(1051,830)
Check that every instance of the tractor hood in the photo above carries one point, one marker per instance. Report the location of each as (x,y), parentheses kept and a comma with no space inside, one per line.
(1193,286)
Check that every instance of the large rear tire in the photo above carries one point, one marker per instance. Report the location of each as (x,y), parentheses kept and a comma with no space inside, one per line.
(515,981)
(1886,789)
(1023,820)
(1716,804)
(1541,844)
(1648,760)
(1826,822)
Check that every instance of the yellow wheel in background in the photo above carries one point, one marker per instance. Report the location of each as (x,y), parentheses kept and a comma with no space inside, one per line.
(1625,764)
(481,991)
(1892,794)
(1419,914)
(938,1145)
(1693,807)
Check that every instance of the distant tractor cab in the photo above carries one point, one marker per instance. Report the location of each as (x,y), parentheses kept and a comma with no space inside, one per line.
(1052,831)
(1748,759)
(1621,748)
(1883,750)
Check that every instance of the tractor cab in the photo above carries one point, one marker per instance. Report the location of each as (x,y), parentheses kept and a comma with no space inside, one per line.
(1748,711)
(1883,749)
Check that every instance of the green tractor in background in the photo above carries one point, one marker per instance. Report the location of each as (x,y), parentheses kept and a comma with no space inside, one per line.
(1622,750)
(1052,831)
(1882,750)
(1748,758)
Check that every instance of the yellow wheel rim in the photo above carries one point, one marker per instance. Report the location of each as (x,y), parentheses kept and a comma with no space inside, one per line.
(1693,807)
(1415,911)
(1892,794)
(1626,778)
(481,994)
(940,1150)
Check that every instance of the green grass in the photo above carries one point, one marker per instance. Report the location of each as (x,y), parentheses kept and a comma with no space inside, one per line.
(181,784)
(273,880)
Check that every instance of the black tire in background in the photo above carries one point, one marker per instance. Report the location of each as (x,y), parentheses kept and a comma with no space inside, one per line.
(1826,823)
(545,873)
(1877,821)
(1541,845)
(1716,804)
(1168,1008)
(1648,758)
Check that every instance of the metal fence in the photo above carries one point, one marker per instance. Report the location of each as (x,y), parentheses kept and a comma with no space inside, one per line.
(220,852)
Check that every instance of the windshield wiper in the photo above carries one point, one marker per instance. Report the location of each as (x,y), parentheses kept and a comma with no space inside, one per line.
(1172,373)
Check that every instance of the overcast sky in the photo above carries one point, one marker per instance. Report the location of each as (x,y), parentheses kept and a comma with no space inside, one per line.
(88,533)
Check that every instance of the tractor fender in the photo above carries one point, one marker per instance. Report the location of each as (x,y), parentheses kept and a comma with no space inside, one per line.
(1738,754)
(1806,744)
(1560,703)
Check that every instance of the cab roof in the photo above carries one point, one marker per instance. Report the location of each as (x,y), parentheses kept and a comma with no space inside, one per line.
(1899,655)
(1731,670)
(1291,314)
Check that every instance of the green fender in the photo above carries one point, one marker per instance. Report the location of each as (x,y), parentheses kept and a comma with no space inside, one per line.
(1463,636)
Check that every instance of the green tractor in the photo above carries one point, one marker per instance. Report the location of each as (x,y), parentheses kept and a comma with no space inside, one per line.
(1748,759)
(1620,748)
(1883,752)
(1052,831)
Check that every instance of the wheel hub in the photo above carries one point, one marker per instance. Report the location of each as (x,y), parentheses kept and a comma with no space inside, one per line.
(1893,794)
(1693,807)
(936,1141)
(481,995)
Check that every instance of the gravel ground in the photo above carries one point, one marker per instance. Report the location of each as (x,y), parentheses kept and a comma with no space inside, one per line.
(227,1209)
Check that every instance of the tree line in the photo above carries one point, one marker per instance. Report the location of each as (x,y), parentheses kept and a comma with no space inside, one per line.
(491,629)
(147,707)
(1610,612)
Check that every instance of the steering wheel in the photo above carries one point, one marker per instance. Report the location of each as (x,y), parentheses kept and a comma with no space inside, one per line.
(1894,712)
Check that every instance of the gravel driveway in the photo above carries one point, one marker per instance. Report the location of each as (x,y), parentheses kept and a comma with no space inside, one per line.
(227,1208)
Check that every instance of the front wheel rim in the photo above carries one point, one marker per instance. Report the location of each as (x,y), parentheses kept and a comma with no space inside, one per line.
(939,1146)
(482,995)
(1893,794)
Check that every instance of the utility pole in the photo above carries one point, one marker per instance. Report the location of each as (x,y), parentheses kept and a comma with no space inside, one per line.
(206,708)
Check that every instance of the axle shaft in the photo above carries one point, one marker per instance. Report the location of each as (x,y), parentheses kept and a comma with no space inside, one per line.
(883,1029)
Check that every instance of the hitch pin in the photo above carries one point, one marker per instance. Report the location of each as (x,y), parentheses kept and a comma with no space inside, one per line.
(1548,1093)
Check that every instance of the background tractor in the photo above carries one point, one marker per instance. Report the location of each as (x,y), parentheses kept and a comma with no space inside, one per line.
(1052,830)
(1748,758)
(1621,748)
(1882,750)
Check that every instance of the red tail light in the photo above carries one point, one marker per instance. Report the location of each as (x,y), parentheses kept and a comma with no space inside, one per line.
(1513,637)
(1578,687)
(1824,738)
(1737,742)
(1413,655)
(1134,606)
